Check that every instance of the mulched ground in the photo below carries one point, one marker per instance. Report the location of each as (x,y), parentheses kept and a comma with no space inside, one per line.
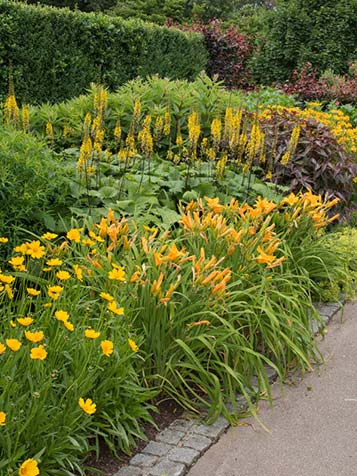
(108,465)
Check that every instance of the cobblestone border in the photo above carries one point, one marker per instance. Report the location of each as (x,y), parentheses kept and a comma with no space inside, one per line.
(179,446)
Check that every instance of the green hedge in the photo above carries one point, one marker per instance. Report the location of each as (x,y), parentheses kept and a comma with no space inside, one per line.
(55,54)
(321,32)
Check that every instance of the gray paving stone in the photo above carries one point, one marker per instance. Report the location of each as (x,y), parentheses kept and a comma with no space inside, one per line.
(172,437)
(168,468)
(181,425)
(328,309)
(183,455)
(144,460)
(157,448)
(129,471)
(271,373)
(212,431)
(197,442)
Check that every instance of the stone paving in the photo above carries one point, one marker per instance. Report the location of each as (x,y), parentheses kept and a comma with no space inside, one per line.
(179,446)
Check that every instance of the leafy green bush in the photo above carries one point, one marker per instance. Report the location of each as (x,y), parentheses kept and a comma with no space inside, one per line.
(32,187)
(323,33)
(65,51)
(84,5)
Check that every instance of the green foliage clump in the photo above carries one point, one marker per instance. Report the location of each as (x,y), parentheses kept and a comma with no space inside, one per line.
(83,5)
(65,51)
(323,33)
(32,188)
(344,244)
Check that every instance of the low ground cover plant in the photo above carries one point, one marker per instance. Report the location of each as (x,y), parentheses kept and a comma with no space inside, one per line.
(102,318)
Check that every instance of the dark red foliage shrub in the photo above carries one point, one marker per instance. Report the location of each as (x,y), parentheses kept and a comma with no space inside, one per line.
(309,87)
(319,161)
(228,50)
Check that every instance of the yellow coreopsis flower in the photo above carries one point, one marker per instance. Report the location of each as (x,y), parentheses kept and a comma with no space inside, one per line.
(113,307)
(13,344)
(78,272)
(35,250)
(106,296)
(63,275)
(34,336)
(6,278)
(2,348)
(74,234)
(68,325)
(25,321)
(62,315)
(49,236)
(87,406)
(16,261)
(21,248)
(107,347)
(117,273)
(33,292)
(133,345)
(38,353)
(54,262)
(29,468)
(91,333)
(54,291)
(3,239)
(2,418)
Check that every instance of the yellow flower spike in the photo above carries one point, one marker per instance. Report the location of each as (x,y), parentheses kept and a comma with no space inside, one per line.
(34,336)
(63,275)
(62,316)
(33,292)
(87,406)
(91,333)
(107,347)
(2,418)
(113,307)
(29,468)
(49,236)
(25,321)
(13,344)
(2,348)
(38,353)
(74,234)
(106,296)
(35,249)
(133,345)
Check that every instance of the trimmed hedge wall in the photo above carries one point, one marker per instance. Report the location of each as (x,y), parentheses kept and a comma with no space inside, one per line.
(54,54)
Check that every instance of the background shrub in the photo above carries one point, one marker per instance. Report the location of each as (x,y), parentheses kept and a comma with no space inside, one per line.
(323,33)
(32,188)
(67,50)
(228,50)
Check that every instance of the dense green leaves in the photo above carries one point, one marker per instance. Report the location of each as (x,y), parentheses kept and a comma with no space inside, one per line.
(323,33)
(66,51)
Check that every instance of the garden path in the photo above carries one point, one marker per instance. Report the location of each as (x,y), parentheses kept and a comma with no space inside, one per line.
(313,424)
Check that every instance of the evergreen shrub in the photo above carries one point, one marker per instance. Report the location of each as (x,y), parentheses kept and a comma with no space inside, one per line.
(54,54)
